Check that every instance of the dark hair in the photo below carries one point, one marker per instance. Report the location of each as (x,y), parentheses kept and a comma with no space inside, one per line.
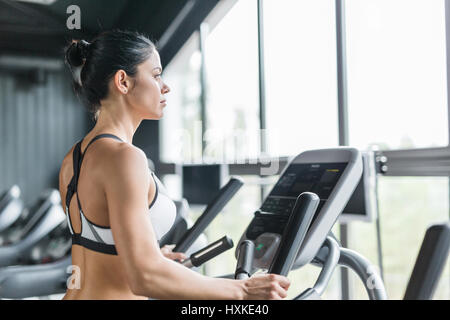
(94,64)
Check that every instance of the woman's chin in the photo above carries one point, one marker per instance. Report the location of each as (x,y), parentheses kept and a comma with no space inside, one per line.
(155,116)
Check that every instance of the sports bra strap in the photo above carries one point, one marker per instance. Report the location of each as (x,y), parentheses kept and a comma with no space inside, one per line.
(77,157)
(104,135)
(71,188)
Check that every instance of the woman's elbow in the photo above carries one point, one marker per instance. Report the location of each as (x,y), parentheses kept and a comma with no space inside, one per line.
(142,281)
(140,284)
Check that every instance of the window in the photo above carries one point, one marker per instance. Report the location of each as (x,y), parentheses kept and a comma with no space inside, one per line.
(408,206)
(396,59)
(232,108)
(300,75)
(397,99)
(181,136)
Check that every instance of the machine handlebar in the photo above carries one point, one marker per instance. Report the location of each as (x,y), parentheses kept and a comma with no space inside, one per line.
(294,233)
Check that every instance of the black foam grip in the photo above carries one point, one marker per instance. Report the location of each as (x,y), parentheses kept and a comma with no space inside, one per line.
(212,210)
(211,251)
(294,233)
(245,258)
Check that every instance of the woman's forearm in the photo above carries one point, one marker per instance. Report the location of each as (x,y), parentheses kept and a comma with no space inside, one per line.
(171,280)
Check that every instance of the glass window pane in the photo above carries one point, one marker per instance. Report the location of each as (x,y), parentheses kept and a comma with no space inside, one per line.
(397,86)
(300,69)
(231,59)
(180,126)
(408,206)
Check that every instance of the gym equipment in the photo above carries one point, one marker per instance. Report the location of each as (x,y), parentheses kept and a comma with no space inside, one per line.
(291,230)
(424,278)
(332,174)
(362,205)
(212,210)
(181,224)
(331,255)
(18,282)
(275,245)
(292,238)
(209,252)
(27,237)
(430,263)
(28,218)
(11,207)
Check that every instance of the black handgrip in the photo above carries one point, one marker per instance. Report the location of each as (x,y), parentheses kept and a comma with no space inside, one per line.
(294,233)
(244,260)
(211,251)
(430,263)
(212,210)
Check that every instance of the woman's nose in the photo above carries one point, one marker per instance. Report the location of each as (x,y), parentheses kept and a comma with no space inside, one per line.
(165,89)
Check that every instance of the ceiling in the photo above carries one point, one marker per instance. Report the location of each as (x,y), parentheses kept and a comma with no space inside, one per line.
(37,29)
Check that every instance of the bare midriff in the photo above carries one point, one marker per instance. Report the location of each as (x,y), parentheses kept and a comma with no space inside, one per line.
(101,276)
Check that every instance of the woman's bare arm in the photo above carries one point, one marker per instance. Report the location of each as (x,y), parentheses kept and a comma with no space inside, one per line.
(127,182)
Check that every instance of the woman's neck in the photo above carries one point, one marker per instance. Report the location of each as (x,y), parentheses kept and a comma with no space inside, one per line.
(115,120)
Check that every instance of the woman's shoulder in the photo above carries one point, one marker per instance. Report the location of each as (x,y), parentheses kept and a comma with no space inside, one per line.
(114,158)
(120,153)
(108,157)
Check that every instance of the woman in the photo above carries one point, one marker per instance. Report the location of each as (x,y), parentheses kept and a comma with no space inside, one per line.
(117,209)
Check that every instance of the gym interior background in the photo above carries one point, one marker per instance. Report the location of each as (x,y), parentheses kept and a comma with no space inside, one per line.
(254,78)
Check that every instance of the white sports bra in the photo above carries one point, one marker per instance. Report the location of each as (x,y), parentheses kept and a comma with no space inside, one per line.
(162,210)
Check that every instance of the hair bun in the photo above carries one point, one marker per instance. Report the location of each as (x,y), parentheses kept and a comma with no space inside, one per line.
(77,52)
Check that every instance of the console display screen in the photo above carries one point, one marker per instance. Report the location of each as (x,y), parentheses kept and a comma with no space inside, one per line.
(320,178)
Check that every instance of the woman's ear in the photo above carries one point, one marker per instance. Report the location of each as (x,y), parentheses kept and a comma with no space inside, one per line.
(122,81)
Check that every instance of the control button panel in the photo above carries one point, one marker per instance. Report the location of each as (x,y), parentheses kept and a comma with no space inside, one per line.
(266,223)
(279,206)
(266,246)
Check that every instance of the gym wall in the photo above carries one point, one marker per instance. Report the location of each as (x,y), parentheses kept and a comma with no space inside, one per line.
(39,123)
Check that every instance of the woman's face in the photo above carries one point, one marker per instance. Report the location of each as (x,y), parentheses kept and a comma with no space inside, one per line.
(146,96)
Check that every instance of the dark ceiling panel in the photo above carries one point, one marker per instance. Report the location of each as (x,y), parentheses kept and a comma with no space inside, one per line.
(41,29)
(22,22)
(151,17)
(22,15)
(95,15)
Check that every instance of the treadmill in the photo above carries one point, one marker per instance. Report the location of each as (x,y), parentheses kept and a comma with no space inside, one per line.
(23,241)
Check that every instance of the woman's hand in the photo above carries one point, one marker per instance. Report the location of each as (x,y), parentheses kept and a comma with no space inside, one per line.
(169,254)
(266,287)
